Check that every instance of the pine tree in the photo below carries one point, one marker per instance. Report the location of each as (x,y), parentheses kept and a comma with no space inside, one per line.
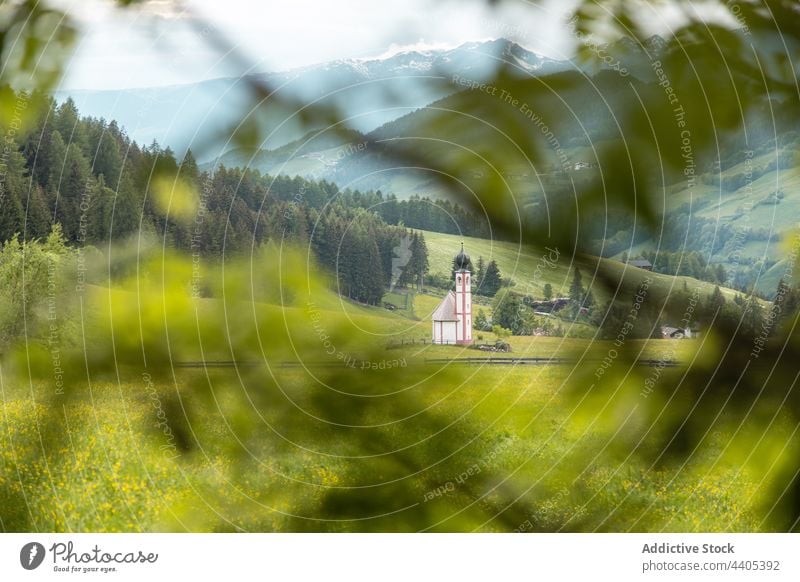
(492,281)
(75,190)
(720,274)
(478,279)
(390,210)
(576,290)
(404,258)
(589,300)
(419,258)
(716,300)
(37,215)
(107,161)
(126,209)
(67,121)
(547,291)
(189,170)
(511,313)
(577,294)
(373,293)
(481,323)
(12,190)
(786,302)
(752,316)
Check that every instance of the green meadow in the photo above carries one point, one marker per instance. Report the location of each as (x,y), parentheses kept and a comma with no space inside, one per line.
(290,443)
(112,471)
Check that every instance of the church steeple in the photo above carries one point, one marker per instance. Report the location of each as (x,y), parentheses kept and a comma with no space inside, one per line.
(461,260)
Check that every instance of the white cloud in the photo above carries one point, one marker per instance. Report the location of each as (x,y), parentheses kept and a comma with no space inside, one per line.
(154,44)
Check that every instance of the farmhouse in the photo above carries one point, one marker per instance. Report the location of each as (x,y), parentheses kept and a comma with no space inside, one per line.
(641,264)
(668,332)
(452,319)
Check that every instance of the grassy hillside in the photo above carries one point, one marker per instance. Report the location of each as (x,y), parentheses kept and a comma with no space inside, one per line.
(515,261)
(748,205)
(520,264)
(758,201)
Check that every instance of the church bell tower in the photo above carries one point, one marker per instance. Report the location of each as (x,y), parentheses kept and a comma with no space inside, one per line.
(463,298)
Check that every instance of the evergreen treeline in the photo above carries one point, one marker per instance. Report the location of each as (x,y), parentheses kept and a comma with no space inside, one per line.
(687,264)
(367,254)
(421,213)
(487,280)
(436,215)
(89,177)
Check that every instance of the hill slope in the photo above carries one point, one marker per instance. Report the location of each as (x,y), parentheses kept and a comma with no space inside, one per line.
(524,265)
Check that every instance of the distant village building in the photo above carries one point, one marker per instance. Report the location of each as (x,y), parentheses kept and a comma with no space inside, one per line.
(641,264)
(452,320)
(668,332)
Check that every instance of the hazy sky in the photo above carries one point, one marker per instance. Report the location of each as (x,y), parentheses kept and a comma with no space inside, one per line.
(156,45)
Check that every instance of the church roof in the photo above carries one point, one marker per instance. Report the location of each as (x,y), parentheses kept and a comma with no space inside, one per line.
(461,260)
(641,263)
(447,309)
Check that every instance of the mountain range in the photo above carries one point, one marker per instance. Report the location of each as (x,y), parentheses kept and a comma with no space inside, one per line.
(368,93)
(410,97)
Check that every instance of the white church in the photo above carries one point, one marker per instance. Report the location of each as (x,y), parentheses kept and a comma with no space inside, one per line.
(452,320)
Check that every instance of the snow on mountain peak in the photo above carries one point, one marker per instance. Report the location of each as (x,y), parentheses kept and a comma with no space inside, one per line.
(423,58)
(427,49)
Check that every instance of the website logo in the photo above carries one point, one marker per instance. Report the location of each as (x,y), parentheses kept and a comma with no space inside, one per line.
(31,555)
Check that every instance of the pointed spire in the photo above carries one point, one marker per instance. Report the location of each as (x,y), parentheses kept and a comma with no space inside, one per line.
(462,259)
